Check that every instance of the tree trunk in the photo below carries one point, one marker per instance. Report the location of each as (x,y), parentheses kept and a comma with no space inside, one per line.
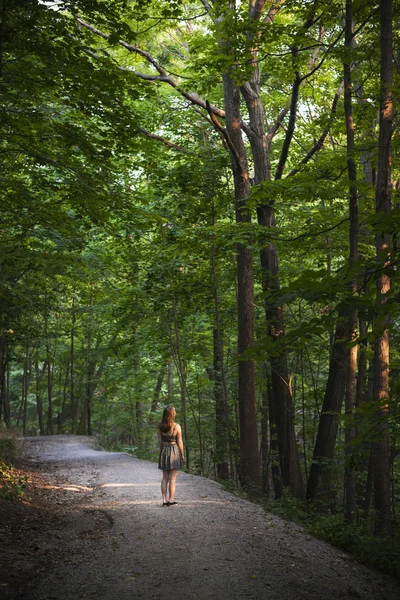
(249,454)
(5,392)
(221,425)
(265,441)
(222,417)
(154,406)
(39,405)
(157,390)
(74,413)
(138,399)
(182,380)
(25,390)
(171,381)
(350,473)
(4,400)
(49,427)
(318,487)
(274,446)
(380,448)
(283,408)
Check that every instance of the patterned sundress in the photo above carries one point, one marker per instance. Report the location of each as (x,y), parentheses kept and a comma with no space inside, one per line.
(170,456)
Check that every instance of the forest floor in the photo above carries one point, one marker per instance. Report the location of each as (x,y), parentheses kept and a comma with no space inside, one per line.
(91,525)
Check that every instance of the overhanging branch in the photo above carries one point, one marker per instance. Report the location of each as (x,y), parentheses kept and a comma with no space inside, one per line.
(159,138)
(163,75)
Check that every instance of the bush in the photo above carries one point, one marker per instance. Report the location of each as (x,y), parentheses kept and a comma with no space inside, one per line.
(12,482)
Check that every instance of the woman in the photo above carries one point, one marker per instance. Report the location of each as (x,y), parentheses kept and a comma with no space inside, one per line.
(171,453)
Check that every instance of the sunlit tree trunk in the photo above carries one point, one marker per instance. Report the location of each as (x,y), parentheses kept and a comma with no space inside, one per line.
(380,448)
(350,474)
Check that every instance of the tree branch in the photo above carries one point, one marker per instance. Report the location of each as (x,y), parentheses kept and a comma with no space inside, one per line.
(275,8)
(256,9)
(319,143)
(163,76)
(159,138)
(290,128)
(274,128)
(225,134)
(206,5)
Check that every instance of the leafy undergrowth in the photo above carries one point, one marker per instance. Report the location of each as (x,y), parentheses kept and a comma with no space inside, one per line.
(12,480)
(382,553)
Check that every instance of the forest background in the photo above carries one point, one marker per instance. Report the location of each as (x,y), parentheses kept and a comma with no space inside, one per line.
(199,207)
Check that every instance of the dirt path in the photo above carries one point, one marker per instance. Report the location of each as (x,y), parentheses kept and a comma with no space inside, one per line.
(108,537)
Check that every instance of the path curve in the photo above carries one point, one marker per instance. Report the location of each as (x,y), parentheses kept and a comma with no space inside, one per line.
(119,543)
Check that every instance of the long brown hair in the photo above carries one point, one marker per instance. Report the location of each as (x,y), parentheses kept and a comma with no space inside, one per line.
(168,419)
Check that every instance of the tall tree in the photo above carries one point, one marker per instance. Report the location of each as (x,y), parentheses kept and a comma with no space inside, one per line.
(381,451)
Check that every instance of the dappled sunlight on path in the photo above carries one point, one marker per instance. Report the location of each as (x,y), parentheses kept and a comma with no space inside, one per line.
(119,542)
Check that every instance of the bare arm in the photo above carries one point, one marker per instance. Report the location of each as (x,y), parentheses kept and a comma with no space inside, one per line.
(159,438)
(180,441)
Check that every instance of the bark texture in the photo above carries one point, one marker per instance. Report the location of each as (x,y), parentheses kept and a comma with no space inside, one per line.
(380,449)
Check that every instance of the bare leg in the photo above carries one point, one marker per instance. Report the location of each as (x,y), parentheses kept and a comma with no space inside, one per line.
(172,483)
(164,485)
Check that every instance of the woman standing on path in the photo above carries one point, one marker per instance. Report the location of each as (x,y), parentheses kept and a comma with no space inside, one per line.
(171,453)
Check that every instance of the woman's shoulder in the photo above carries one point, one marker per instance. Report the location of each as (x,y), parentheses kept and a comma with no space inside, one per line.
(177,428)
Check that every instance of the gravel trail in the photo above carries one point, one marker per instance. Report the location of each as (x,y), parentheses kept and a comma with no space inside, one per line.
(112,539)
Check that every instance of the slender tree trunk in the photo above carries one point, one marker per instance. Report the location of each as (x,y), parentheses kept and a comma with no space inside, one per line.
(157,390)
(138,398)
(171,381)
(303,412)
(5,384)
(25,390)
(49,427)
(74,412)
(362,366)
(274,446)
(182,380)
(350,473)
(3,395)
(39,405)
(221,426)
(5,390)
(222,417)
(380,448)
(319,480)
(265,441)
(64,395)
(154,405)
